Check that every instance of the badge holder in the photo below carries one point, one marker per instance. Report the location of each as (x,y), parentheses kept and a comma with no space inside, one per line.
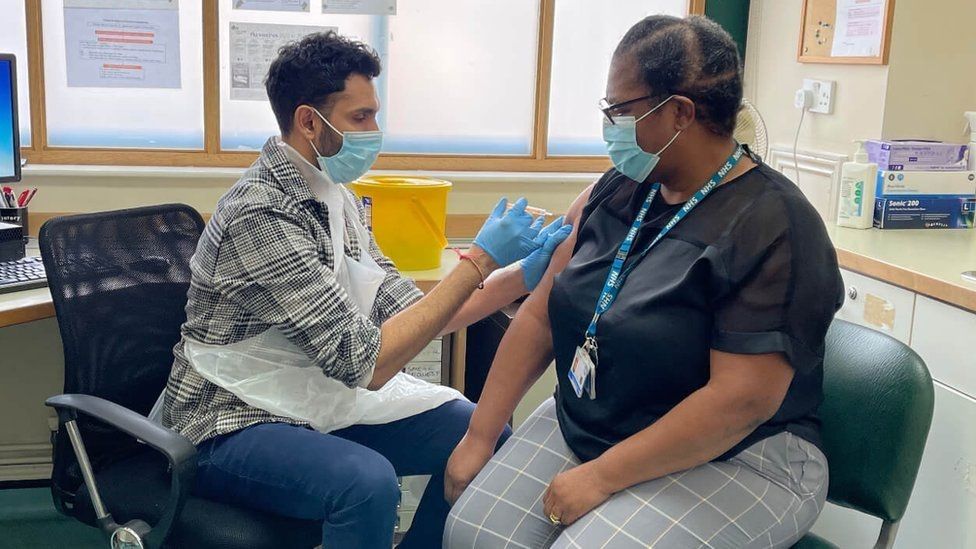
(582,374)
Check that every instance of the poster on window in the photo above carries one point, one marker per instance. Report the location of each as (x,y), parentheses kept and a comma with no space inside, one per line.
(360,7)
(122,43)
(253,46)
(272,5)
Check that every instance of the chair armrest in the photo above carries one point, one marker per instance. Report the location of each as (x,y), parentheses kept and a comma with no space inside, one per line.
(173,445)
(179,451)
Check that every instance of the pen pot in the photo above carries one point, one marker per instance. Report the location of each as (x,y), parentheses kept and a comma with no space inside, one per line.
(16,216)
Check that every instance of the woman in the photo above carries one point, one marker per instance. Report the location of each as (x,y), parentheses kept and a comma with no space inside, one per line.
(690,367)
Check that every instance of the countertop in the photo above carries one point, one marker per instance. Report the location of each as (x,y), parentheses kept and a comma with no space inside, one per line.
(928,262)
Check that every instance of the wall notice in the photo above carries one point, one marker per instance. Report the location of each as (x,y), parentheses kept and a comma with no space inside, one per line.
(360,7)
(272,5)
(858,27)
(122,43)
(253,46)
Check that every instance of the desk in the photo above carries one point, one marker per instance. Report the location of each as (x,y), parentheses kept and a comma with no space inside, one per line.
(30,305)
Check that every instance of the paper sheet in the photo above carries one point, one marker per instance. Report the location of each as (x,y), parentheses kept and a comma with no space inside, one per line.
(857,29)
(362,7)
(272,5)
(253,46)
(122,43)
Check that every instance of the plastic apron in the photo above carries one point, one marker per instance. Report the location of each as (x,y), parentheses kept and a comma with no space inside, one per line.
(269,372)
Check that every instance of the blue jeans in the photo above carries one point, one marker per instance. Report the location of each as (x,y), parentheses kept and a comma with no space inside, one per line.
(347,478)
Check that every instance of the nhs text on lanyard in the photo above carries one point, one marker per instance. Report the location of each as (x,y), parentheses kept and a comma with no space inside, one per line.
(582,374)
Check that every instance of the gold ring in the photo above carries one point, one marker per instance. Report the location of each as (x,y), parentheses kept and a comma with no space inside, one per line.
(554,519)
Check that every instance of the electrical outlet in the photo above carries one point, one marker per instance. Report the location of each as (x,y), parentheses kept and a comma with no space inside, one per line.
(823,95)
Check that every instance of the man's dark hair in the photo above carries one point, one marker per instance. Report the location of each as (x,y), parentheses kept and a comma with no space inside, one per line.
(693,57)
(308,71)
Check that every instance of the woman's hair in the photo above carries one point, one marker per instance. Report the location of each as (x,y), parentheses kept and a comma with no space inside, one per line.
(693,57)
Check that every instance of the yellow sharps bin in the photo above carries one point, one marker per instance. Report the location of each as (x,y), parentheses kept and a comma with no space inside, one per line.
(407,216)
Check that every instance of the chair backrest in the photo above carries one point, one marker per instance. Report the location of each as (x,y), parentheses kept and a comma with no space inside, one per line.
(877,409)
(119,282)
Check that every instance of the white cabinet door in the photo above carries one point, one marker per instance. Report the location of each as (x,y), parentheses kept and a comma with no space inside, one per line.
(847,528)
(943,336)
(942,511)
(878,305)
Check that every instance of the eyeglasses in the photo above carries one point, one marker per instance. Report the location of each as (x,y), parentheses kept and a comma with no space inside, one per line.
(609,111)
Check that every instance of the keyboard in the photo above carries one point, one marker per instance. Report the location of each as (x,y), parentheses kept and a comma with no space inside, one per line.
(22,274)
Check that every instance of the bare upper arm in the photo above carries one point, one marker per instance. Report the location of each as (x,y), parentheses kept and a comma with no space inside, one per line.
(757,381)
(538,300)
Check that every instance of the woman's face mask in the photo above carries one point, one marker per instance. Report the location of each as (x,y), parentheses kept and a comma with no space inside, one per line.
(356,156)
(627,156)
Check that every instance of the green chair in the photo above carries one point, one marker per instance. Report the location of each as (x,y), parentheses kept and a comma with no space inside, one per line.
(877,409)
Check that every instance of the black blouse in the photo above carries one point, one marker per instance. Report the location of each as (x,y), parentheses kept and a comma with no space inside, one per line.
(750,270)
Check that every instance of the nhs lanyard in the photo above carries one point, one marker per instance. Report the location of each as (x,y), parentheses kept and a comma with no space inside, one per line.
(617,275)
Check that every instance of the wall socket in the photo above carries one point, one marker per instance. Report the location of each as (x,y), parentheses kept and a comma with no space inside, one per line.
(823,95)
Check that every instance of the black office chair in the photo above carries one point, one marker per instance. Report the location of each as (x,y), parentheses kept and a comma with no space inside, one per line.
(119,281)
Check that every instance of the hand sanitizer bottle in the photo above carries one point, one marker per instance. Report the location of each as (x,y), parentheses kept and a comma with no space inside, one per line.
(858,182)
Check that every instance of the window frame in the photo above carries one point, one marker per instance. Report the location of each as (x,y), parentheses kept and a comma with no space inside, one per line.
(538,159)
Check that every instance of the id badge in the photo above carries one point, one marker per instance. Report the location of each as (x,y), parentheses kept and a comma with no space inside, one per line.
(582,374)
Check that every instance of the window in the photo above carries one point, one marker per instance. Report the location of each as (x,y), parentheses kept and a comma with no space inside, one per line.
(130,83)
(506,85)
(461,77)
(13,39)
(580,66)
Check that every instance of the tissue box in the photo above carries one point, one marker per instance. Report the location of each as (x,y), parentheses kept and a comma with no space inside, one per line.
(915,212)
(946,184)
(917,155)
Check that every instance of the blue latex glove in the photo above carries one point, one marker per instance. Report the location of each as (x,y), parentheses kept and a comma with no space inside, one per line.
(549,238)
(509,236)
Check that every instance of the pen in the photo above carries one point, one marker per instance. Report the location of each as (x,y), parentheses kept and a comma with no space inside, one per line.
(22,198)
(8,196)
(30,197)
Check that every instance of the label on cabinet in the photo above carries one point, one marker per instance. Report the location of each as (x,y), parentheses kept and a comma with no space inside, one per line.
(879,312)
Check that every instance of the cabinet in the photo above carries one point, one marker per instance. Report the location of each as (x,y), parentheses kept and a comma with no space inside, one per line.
(433,365)
(943,336)
(942,510)
(878,305)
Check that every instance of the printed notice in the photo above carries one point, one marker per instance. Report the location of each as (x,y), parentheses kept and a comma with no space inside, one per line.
(272,5)
(122,43)
(360,7)
(857,30)
(253,46)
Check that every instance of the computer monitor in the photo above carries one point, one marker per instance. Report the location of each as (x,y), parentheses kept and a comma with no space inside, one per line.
(9,126)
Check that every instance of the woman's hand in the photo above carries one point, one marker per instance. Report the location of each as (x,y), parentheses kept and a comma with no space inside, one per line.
(467,459)
(574,493)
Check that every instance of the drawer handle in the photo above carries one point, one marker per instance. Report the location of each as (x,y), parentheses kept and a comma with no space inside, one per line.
(852,293)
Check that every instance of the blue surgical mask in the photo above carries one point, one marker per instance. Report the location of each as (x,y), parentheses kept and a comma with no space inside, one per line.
(627,156)
(356,156)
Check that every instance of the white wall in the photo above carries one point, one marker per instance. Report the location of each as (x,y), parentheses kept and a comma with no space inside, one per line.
(932,74)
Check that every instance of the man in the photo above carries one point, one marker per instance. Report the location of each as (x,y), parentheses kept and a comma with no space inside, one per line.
(276,269)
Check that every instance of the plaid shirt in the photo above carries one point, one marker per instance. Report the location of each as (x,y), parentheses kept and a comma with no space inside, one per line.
(265,260)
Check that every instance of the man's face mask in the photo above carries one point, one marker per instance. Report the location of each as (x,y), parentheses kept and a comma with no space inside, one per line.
(356,156)
(627,156)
